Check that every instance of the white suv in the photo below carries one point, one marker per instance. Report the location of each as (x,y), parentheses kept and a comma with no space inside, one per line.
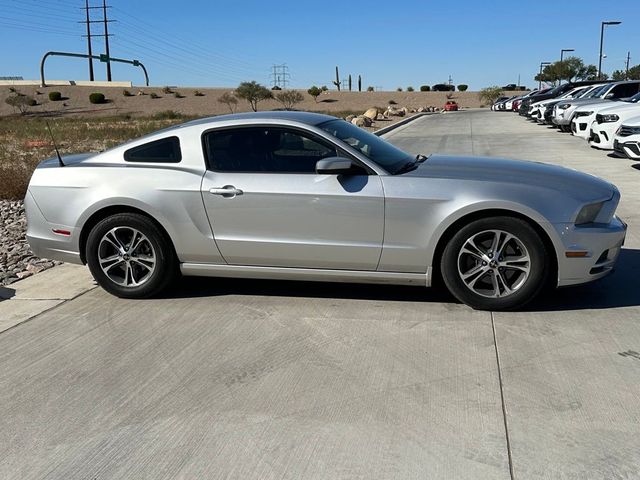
(627,139)
(608,120)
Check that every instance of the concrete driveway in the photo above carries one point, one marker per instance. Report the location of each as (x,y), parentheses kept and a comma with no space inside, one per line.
(280,380)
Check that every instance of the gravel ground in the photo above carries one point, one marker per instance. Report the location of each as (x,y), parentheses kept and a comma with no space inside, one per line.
(17,261)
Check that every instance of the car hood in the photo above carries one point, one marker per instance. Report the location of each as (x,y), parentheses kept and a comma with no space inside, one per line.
(622,107)
(579,185)
(597,106)
(578,102)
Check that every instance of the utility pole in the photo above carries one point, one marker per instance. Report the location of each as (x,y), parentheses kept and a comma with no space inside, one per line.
(89,52)
(626,75)
(106,38)
(105,20)
(280,75)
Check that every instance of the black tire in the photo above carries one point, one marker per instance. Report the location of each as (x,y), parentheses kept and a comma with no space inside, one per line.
(528,286)
(156,245)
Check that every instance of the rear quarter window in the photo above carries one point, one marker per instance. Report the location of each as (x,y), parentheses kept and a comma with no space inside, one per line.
(165,150)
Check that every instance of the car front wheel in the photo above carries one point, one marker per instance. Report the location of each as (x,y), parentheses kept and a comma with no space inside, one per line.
(130,257)
(497,263)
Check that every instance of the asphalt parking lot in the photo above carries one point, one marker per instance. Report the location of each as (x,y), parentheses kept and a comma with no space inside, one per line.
(264,380)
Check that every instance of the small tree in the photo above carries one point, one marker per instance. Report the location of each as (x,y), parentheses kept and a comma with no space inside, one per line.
(410,89)
(370,89)
(289,98)
(230,100)
(490,94)
(324,88)
(399,89)
(21,103)
(618,75)
(462,87)
(253,93)
(425,88)
(315,92)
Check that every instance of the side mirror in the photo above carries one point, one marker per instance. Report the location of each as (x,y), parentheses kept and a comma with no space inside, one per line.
(337,166)
(610,95)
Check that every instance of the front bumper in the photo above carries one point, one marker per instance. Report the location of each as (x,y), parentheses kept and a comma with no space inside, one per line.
(602,242)
(601,135)
(629,149)
(580,126)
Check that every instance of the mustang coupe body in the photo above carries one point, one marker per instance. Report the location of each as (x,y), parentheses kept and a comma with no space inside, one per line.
(295,195)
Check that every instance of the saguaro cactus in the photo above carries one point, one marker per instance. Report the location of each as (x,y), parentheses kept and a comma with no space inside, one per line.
(336,82)
(349,82)
(359,83)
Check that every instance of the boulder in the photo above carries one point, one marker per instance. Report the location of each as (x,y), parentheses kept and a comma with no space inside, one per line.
(362,121)
(371,114)
(349,118)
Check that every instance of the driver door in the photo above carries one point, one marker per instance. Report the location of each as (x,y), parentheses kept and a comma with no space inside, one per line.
(268,207)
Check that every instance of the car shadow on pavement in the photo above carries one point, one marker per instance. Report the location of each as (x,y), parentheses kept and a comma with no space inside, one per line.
(191,287)
(619,289)
(6,293)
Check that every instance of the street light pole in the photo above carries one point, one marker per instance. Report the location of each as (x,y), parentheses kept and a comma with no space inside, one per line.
(542,64)
(562,56)
(602,25)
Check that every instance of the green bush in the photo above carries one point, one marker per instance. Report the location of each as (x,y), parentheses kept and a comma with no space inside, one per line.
(399,89)
(314,92)
(425,88)
(97,98)
(370,89)
(410,89)
(55,96)
(324,88)
(462,87)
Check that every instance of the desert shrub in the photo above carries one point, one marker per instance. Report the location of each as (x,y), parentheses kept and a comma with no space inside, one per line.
(324,88)
(490,94)
(154,95)
(198,93)
(392,102)
(289,98)
(399,89)
(370,89)
(230,100)
(167,90)
(253,93)
(168,115)
(410,89)
(127,93)
(314,92)
(55,96)
(97,98)
(425,88)
(21,103)
(13,90)
(178,95)
(462,87)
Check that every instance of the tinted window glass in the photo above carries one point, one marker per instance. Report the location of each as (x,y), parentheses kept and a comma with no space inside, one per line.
(166,150)
(383,153)
(265,149)
(624,90)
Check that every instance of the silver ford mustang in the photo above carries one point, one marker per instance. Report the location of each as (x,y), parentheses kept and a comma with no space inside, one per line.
(293,195)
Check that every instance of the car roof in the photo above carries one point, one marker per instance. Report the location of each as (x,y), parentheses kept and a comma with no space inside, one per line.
(308,118)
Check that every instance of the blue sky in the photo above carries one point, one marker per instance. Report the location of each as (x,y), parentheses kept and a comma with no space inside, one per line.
(391,44)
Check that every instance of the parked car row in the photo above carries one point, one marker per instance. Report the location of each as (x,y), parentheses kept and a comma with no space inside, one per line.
(605,114)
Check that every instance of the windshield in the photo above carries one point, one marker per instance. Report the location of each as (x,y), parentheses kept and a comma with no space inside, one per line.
(602,90)
(587,92)
(634,99)
(374,148)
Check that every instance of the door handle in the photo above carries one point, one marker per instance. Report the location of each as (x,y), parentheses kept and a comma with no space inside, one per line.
(228,191)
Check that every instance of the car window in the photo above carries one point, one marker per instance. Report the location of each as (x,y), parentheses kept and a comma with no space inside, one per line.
(383,153)
(166,150)
(624,90)
(266,150)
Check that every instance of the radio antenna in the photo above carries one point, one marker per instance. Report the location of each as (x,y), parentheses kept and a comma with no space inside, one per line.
(54,145)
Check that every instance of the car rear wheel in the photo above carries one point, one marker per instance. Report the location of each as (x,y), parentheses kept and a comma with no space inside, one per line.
(130,257)
(497,263)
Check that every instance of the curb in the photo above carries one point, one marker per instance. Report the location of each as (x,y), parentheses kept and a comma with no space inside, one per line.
(401,123)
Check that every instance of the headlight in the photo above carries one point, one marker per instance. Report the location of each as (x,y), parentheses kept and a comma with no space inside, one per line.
(564,106)
(589,213)
(583,114)
(611,118)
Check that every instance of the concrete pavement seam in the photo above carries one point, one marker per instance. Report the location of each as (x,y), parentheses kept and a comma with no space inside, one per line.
(46,310)
(504,408)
